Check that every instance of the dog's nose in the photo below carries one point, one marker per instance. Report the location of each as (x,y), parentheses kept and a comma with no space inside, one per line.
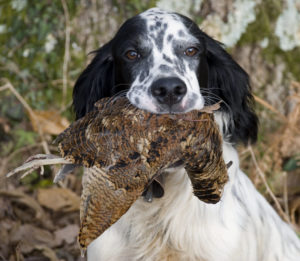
(169,90)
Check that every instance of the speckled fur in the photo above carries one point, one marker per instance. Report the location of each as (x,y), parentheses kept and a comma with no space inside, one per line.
(242,226)
(166,39)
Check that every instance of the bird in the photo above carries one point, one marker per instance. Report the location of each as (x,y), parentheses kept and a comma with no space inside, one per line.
(126,148)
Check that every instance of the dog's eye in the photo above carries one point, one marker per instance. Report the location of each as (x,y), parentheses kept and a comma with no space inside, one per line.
(132,55)
(191,51)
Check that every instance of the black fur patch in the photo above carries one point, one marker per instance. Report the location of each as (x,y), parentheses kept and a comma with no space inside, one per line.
(218,74)
(165,68)
(137,100)
(170,37)
(181,33)
(167,59)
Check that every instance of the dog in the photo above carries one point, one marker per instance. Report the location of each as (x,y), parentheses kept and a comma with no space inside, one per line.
(164,63)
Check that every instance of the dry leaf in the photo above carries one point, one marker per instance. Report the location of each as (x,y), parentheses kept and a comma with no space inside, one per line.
(294,206)
(5,125)
(68,234)
(6,225)
(211,108)
(50,122)
(58,199)
(30,236)
(22,198)
(47,252)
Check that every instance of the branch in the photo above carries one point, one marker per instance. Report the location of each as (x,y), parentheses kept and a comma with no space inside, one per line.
(31,113)
(285,195)
(270,107)
(269,191)
(67,53)
(9,86)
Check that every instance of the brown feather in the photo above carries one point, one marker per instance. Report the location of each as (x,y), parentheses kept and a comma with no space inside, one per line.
(126,148)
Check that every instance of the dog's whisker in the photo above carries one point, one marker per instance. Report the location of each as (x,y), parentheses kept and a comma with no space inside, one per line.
(217,99)
(117,96)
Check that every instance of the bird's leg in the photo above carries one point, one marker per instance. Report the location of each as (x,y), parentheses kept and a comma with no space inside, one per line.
(37,161)
(64,170)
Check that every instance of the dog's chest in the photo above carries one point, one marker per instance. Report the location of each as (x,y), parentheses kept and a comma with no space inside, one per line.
(162,230)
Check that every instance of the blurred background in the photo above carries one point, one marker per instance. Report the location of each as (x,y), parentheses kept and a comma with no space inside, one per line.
(44,45)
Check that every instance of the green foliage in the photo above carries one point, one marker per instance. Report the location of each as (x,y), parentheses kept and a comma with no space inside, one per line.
(132,7)
(32,47)
(30,179)
(35,180)
(290,58)
(267,13)
(23,138)
(263,27)
(292,164)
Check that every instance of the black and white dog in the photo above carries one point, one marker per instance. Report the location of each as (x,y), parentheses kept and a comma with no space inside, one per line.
(166,64)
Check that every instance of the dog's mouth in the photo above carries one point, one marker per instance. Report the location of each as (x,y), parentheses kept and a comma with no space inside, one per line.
(156,188)
(190,102)
(178,108)
(168,104)
(174,109)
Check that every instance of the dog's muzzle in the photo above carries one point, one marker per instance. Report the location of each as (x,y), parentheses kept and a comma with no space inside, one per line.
(168,91)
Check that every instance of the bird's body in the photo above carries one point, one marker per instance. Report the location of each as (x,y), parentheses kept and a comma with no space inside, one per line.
(127,148)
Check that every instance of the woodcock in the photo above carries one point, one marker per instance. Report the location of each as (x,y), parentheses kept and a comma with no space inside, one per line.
(127,148)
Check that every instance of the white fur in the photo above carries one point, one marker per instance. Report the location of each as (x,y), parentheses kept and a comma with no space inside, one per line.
(178,226)
(174,26)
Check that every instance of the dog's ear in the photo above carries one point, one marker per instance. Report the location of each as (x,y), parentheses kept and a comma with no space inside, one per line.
(95,82)
(227,81)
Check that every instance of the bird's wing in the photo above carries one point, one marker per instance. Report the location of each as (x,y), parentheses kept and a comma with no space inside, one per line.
(204,162)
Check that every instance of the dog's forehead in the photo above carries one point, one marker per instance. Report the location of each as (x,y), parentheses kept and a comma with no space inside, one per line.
(163,23)
(155,16)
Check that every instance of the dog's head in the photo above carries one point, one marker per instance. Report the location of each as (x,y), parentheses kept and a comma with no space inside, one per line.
(166,64)
(160,60)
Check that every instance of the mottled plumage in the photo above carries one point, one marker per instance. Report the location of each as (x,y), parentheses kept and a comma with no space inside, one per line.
(126,148)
